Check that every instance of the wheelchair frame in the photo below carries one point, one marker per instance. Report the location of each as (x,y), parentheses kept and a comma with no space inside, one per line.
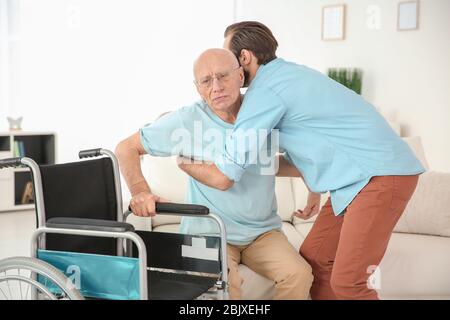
(43,226)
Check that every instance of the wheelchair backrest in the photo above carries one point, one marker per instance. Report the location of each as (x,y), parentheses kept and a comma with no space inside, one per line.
(83,189)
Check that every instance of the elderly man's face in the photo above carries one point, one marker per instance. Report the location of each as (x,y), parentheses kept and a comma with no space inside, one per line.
(218,78)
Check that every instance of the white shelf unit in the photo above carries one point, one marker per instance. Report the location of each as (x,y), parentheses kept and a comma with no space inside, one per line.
(39,146)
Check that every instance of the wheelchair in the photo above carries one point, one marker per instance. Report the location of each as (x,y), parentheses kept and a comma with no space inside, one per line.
(83,248)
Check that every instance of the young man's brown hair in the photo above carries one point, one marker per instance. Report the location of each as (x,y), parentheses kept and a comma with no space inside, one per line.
(252,36)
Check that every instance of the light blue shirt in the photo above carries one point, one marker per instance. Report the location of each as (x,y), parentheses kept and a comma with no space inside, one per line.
(332,135)
(248,209)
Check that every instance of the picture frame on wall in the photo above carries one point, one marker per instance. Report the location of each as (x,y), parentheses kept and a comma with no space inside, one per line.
(408,15)
(333,22)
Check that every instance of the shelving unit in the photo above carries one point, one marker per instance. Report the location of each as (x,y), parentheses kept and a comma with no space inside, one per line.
(39,146)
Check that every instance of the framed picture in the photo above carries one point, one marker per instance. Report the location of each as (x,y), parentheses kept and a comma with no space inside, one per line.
(408,15)
(333,22)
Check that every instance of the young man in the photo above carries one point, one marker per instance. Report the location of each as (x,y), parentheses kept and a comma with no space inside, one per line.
(249,208)
(339,143)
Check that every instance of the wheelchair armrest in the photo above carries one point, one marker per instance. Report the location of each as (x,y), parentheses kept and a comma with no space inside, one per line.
(182,209)
(10,162)
(89,224)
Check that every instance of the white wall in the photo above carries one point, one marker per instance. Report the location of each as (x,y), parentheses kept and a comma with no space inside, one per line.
(94,71)
(406,73)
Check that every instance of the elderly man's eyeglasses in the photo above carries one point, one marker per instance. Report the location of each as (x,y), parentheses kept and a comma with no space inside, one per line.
(221,77)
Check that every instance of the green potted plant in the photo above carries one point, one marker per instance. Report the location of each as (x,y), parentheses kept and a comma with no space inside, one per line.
(348,77)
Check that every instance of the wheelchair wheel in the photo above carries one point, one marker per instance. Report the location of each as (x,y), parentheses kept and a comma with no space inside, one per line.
(17,282)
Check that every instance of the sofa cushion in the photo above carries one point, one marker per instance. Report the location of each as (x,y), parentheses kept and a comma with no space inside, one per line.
(303,229)
(140,223)
(428,211)
(415,266)
(294,237)
(166,180)
(415,143)
(171,228)
(285,198)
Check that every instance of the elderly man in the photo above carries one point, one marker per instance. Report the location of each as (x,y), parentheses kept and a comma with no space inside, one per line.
(249,208)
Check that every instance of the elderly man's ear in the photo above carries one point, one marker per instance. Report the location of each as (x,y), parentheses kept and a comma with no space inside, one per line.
(242,77)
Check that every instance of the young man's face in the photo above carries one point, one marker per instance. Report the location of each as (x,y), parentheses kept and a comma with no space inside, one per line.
(219,81)
(226,45)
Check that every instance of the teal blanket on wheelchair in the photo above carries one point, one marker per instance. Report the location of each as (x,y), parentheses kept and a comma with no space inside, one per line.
(97,276)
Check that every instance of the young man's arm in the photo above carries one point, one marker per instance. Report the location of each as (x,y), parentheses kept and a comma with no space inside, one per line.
(208,174)
(260,113)
(128,153)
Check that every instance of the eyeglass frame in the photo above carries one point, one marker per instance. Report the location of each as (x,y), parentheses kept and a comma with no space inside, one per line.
(215,76)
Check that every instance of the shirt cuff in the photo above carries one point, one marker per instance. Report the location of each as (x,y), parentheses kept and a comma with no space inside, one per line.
(229,168)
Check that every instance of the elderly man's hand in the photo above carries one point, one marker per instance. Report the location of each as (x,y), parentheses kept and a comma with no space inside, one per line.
(143,204)
(311,209)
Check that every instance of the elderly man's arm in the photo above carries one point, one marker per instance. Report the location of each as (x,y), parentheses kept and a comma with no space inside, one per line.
(128,153)
(206,173)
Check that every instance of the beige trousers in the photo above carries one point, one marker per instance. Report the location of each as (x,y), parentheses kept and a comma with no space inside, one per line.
(272,256)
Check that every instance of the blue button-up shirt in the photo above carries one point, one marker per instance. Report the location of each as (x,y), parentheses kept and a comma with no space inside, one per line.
(336,139)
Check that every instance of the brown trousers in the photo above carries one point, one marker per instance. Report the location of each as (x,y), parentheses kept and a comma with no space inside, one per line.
(272,256)
(343,250)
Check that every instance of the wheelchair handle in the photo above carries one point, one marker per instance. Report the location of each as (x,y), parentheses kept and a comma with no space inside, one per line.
(180,209)
(89,153)
(10,162)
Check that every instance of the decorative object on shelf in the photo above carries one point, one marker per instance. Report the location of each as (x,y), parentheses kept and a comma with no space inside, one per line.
(408,15)
(15,124)
(349,77)
(333,22)
(37,145)
(19,149)
(27,195)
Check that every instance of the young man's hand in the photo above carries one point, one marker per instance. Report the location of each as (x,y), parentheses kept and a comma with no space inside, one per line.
(143,204)
(311,209)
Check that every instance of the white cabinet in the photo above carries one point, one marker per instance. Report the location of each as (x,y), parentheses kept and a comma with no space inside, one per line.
(15,183)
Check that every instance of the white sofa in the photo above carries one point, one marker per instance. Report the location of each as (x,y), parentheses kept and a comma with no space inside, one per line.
(416,264)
